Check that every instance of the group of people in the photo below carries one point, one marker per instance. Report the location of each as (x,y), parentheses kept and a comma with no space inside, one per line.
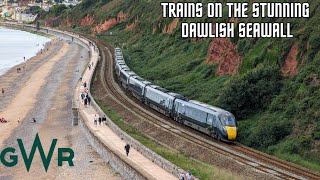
(86,99)
(92,44)
(99,119)
(89,65)
(187,176)
(2,120)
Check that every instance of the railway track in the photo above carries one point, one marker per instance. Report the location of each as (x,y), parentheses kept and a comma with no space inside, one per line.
(242,154)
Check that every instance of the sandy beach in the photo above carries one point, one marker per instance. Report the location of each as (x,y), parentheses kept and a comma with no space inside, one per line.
(44,90)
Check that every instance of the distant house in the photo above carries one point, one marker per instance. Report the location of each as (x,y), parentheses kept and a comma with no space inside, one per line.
(70,2)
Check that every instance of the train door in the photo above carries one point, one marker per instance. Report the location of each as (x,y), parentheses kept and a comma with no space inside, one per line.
(214,125)
(170,105)
(210,121)
(181,113)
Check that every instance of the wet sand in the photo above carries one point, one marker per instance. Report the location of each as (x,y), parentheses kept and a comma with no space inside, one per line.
(44,91)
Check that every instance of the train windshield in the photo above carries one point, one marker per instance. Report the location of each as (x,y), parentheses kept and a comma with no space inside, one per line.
(228,119)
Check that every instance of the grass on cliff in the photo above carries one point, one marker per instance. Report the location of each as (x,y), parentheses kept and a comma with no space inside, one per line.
(199,169)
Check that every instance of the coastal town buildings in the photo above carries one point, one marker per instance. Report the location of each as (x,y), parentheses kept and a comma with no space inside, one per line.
(16,10)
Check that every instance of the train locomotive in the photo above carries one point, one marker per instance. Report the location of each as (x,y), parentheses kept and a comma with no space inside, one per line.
(214,121)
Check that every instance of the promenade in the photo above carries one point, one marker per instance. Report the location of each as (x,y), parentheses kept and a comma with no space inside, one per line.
(114,143)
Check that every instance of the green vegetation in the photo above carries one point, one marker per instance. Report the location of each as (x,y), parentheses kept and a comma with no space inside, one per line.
(276,114)
(197,168)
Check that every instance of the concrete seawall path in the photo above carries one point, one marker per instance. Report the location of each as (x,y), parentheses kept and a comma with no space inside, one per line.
(145,166)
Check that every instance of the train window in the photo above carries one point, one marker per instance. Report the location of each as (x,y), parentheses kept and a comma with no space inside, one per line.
(214,123)
(210,120)
(221,120)
(228,119)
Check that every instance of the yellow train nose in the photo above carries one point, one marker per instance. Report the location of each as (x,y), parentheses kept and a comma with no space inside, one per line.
(232,132)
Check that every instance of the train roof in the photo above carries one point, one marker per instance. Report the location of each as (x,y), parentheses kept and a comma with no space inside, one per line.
(138,78)
(208,106)
(179,96)
(160,88)
(146,82)
(131,73)
(141,80)
(124,67)
(166,91)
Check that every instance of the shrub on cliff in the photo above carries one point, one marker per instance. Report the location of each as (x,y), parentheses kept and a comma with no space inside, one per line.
(247,94)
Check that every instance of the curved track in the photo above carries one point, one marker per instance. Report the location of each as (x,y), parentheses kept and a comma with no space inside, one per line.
(242,154)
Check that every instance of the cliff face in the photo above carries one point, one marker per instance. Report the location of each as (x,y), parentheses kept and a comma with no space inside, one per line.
(224,53)
(274,82)
(171,27)
(87,21)
(109,23)
(290,66)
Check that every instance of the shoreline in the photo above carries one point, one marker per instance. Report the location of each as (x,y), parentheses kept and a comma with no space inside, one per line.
(20,64)
(16,64)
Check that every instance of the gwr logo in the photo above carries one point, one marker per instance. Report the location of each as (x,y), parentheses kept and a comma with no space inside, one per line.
(46,159)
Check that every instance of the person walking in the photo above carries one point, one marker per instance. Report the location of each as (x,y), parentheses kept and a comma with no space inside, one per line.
(104,119)
(100,119)
(85,84)
(182,176)
(95,120)
(127,148)
(2,90)
(34,120)
(85,102)
(89,100)
(189,175)
(82,96)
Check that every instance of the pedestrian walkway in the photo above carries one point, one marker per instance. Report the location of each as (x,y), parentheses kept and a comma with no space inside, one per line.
(111,140)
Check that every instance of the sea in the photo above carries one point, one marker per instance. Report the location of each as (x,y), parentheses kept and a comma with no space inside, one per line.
(15,45)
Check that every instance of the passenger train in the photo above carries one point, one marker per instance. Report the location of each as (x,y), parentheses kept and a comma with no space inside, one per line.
(214,121)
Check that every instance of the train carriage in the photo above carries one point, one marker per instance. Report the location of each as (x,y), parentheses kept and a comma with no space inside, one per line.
(124,76)
(136,86)
(121,61)
(158,99)
(119,54)
(119,67)
(117,50)
(210,120)
(118,58)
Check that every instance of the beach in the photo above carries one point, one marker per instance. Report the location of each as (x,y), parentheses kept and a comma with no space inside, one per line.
(44,89)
